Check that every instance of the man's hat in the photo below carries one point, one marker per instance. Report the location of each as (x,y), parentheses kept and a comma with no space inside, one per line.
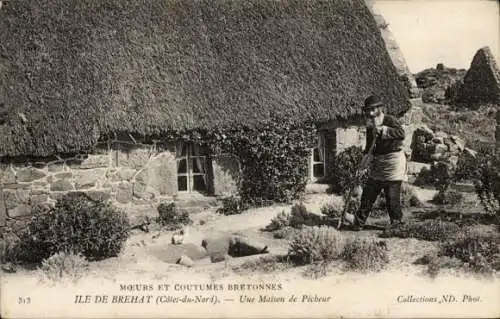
(373,101)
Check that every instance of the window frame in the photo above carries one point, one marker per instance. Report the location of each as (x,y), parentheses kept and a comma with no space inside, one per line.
(190,173)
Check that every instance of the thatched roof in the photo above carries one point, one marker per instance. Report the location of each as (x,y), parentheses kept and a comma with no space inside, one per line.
(74,71)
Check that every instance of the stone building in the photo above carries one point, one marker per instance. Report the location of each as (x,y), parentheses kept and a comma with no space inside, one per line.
(89,97)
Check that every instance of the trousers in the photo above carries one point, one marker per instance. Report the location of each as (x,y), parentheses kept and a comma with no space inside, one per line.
(371,190)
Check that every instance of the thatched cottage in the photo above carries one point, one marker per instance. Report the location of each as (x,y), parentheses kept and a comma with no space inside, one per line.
(88,89)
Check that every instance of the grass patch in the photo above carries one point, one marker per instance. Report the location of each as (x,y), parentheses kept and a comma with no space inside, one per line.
(62,266)
(430,230)
(366,254)
(314,244)
(265,264)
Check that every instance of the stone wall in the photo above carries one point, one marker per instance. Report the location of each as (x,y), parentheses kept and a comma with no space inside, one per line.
(126,172)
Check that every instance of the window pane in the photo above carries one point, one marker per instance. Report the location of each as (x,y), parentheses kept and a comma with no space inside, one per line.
(198,164)
(181,166)
(199,183)
(182,183)
(318,170)
(316,155)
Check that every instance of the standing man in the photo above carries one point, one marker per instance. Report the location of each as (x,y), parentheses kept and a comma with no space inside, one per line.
(387,165)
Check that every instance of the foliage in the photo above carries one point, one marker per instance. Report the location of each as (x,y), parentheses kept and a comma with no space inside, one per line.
(317,243)
(487,184)
(280,221)
(447,197)
(77,224)
(472,248)
(331,210)
(172,217)
(345,166)
(232,205)
(300,216)
(468,251)
(440,175)
(272,157)
(366,254)
(64,265)
(431,230)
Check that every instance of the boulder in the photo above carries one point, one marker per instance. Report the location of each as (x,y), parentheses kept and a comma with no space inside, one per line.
(29,174)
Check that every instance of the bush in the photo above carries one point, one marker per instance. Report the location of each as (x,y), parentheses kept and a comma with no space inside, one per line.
(77,224)
(300,216)
(345,168)
(448,197)
(231,206)
(366,254)
(487,184)
(331,210)
(431,230)
(440,175)
(473,248)
(281,221)
(62,265)
(312,244)
(172,217)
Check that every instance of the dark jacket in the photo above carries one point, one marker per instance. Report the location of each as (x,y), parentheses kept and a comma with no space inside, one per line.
(390,141)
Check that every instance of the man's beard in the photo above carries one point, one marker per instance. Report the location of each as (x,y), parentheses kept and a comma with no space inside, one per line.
(377,118)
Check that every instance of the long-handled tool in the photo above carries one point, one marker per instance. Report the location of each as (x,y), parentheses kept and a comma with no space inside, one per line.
(357,179)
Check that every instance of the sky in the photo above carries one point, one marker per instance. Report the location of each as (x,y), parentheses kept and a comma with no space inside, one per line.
(429,32)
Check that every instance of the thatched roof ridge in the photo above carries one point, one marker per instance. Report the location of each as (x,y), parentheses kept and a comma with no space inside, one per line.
(74,71)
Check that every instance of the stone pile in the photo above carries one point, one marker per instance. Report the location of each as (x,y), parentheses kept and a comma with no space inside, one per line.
(428,146)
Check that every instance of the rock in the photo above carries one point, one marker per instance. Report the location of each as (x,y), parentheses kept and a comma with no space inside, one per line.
(453,160)
(133,157)
(95,161)
(458,141)
(29,174)
(55,167)
(19,211)
(123,192)
(101,195)
(64,175)
(440,148)
(121,174)
(185,261)
(61,185)
(88,178)
(8,175)
(158,178)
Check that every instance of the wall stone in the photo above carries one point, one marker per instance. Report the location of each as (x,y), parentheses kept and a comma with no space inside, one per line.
(87,178)
(158,178)
(123,192)
(61,185)
(132,156)
(225,175)
(29,174)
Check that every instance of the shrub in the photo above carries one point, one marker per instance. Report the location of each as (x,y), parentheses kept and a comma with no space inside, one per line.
(431,230)
(281,221)
(440,175)
(366,254)
(487,185)
(345,168)
(447,197)
(472,248)
(467,168)
(331,210)
(231,205)
(312,244)
(172,217)
(77,224)
(300,216)
(64,265)
(408,197)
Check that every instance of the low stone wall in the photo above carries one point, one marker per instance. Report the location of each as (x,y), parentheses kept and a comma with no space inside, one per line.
(124,172)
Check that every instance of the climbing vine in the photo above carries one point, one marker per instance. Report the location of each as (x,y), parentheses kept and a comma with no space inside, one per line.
(273,157)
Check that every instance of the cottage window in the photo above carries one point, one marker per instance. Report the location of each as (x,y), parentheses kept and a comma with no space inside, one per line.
(317,160)
(191,168)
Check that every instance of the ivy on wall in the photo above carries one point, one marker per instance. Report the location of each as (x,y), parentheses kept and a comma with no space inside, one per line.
(273,156)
